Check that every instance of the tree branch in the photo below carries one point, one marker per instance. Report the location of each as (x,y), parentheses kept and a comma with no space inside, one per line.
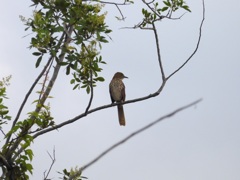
(136,133)
(45,95)
(197,46)
(158,51)
(97,109)
(27,96)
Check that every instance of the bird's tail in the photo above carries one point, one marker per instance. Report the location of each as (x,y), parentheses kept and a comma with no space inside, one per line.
(121,116)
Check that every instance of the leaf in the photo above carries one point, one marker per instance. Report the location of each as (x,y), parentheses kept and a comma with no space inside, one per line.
(167,3)
(29,152)
(38,61)
(186,8)
(36,53)
(88,89)
(108,31)
(101,79)
(68,70)
(72,81)
(164,9)
(63,63)
(29,168)
(77,85)
(4,112)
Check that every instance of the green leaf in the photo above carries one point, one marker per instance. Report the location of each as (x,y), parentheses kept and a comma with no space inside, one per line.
(108,31)
(29,152)
(29,168)
(37,53)
(68,70)
(186,8)
(101,79)
(88,89)
(167,3)
(4,112)
(164,9)
(77,85)
(38,61)
(63,63)
(72,81)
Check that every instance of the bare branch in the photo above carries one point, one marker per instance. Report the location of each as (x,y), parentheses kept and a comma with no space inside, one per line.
(138,132)
(53,158)
(158,51)
(197,46)
(2,131)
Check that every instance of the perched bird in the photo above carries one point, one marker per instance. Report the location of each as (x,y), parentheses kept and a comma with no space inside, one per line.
(117,93)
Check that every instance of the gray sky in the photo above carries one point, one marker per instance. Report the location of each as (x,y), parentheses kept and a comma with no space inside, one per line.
(202,142)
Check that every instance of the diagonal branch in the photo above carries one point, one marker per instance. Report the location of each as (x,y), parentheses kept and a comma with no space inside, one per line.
(31,89)
(158,51)
(134,134)
(27,96)
(44,96)
(197,46)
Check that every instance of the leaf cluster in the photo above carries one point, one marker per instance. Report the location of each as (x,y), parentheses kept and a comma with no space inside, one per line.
(155,12)
(54,18)
(74,174)
(4,117)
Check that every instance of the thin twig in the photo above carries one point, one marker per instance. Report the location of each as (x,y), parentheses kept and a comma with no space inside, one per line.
(2,131)
(138,132)
(158,51)
(53,158)
(197,46)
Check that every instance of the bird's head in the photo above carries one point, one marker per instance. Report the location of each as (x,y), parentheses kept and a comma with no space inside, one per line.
(119,75)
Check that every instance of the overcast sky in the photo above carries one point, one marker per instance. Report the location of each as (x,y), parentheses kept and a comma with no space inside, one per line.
(202,142)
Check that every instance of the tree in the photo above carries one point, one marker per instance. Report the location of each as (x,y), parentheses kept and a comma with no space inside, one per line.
(69,34)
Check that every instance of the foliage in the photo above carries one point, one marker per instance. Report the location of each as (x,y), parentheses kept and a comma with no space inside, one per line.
(82,56)
(74,174)
(4,117)
(155,12)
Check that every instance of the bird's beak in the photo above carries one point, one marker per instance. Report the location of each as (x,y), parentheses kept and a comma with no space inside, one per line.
(125,77)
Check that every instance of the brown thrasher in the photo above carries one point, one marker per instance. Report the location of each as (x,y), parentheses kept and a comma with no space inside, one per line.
(117,93)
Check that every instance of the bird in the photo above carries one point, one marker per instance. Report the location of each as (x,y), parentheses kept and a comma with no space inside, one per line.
(117,94)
